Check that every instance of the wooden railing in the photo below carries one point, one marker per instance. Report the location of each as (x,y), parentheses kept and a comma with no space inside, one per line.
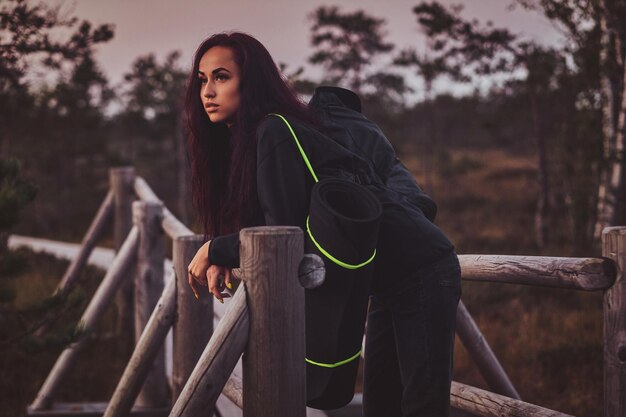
(588,274)
(265,318)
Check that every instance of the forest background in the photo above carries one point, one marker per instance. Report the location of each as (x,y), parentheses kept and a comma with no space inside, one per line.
(531,165)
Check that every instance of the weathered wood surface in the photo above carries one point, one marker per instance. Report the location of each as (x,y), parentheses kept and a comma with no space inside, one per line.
(93,409)
(194,326)
(482,355)
(311,271)
(89,242)
(216,364)
(147,349)
(232,394)
(487,404)
(148,290)
(226,408)
(114,277)
(273,370)
(172,226)
(588,274)
(121,182)
(614,315)
(233,389)
(100,257)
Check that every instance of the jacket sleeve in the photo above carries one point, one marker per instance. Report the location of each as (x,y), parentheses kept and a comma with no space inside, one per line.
(402,181)
(282,185)
(224,251)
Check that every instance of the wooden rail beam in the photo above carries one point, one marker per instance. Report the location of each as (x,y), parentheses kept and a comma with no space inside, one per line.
(87,245)
(172,226)
(487,404)
(212,371)
(482,355)
(233,389)
(148,346)
(98,304)
(589,274)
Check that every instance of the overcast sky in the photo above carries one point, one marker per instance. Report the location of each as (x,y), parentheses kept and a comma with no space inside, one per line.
(161,26)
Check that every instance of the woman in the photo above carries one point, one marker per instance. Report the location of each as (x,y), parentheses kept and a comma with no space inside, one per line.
(246,171)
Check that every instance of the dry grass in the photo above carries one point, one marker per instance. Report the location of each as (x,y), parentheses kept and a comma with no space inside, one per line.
(486,202)
(549,341)
(24,366)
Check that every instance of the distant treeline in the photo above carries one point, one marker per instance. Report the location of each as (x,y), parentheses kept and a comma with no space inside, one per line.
(560,104)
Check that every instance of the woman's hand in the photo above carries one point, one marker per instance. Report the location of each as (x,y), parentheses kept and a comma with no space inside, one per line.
(199,272)
(216,285)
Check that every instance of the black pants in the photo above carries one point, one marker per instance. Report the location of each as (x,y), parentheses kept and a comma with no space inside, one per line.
(410,343)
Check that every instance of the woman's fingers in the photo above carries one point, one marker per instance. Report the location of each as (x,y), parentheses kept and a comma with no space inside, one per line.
(227,279)
(216,284)
(197,269)
(212,275)
(192,283)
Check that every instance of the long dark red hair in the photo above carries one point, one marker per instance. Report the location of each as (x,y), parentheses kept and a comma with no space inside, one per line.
(223,160)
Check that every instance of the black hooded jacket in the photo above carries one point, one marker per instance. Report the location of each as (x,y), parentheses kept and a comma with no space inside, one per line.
(353,148)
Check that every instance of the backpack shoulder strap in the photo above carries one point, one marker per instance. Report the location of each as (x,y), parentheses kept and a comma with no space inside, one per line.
(306,159)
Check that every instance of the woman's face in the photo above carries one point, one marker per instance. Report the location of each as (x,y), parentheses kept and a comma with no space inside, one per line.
(219,84)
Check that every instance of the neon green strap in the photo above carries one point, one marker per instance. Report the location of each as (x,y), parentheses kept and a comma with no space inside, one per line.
(336,364)
(308,229)
(331,257)
(306,160)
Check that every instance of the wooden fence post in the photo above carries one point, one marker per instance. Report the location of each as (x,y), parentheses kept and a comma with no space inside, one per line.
(148,289)
(614,247)
(121,181)
(273,363)
(194,325)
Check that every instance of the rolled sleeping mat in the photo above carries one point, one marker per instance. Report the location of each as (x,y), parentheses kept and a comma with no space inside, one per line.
(342,228)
